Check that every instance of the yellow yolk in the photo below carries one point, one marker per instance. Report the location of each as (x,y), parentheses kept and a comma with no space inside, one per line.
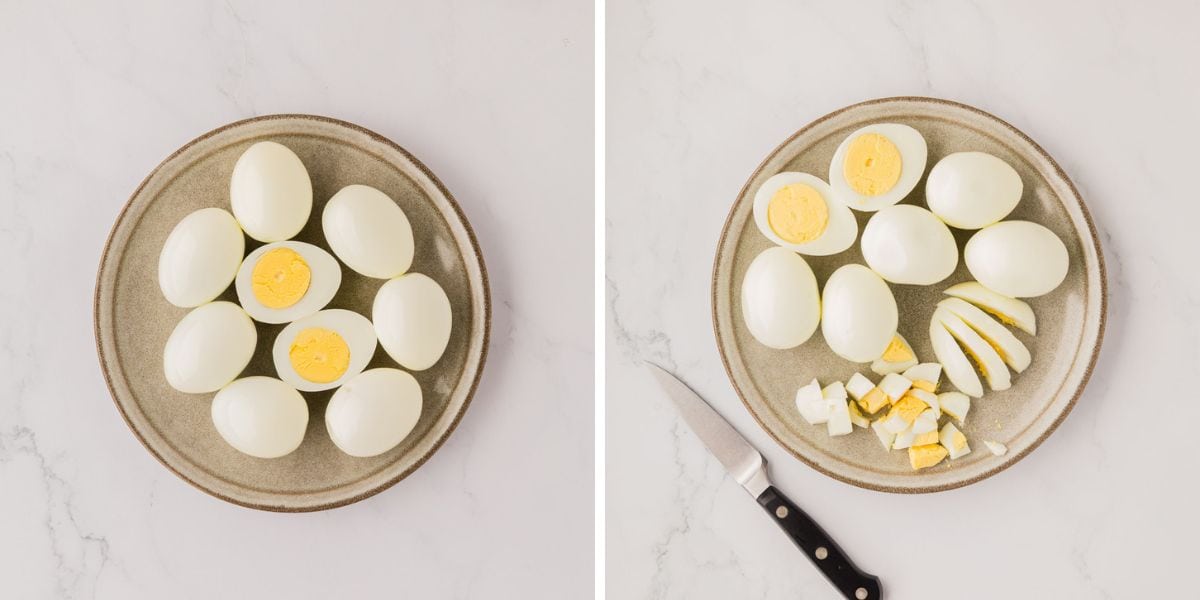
(908,408)
(872,164)
(797,213)
(873,401)
(280,278)
(924,439)
(927,386)
(926,455)
(897,351)
(319,355)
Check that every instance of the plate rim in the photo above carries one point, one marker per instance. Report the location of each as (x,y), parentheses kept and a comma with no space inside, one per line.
(104,361)
(1087,373)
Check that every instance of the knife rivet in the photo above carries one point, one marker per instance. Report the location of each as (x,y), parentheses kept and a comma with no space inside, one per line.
(861,593)
(822,553)
(781,512)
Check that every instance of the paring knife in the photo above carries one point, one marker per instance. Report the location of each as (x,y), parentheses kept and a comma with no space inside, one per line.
(749,468)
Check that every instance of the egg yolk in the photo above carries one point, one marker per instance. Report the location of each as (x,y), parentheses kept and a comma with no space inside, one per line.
(319,355)
(927,386)
(897,351)
(921,457)
(797,213)
(872,164)
(280,278)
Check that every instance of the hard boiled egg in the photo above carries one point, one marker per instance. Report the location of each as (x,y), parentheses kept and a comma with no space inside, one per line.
(373,412)
(907,244)
(260,416)
(285,281)
(780,302)
(368,231)
(270,192)
(877,166)
(1016,258)
(859,315)
(971,190)
(413,319)
(200,257)
(323,350)
(796,211)
(209,348)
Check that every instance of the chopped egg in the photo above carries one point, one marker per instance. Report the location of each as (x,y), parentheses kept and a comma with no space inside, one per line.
(930,399)
(922,439)
(834,391)
(1010,349)
(885,437)
(897,357)
(858,386)
(903,440)
(996,448)
(925,376)
(990,365)
(857,417)
(894,386)
(797,211)
(954,361)
(1010,311)
(925,422)
(812,404)
(873,401)
(955,404)
(925,456)
(903,413)
(839,417)
(954,441)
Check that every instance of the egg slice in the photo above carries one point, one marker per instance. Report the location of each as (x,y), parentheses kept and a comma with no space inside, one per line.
(285,281)
(987,360)
(1010,349)
(270,192)
(955,363)
(996,448)
(907,244)
(811,403)
(877,166)
(200,257)
(859,316)
(413,319)
(925,376)
(323,350)
(971,190)
(209,348)
(780,303)
(373,412)
(796,211)
(1015,258)
(955,404)
(260,416)
(1009,310)
(368,231)
(898,357)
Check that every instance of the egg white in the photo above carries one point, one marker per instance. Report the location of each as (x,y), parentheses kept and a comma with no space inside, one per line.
(413,320)
(323,285)
(971,190)
(354,328)
(209,348)
(368,231)
(200,257)
(780,302)
(840,232)
(260,416)
(913,154)
(908,244)
(1020,259)
(270,192)
(373,412)
(858,314)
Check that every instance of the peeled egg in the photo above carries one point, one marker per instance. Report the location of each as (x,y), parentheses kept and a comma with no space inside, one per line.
(877,166)
(209,348)
(1017,258)
(858,316)
(971,190)
(285,281)
(412,318)
(200,257)
(368,231)
(907,244)
(797,211)
(323,350)
(270,192)
(780,302)
(373,412)
(260,416)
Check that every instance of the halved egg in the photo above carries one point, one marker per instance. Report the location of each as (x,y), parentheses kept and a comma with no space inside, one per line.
(285,281)
(796,211)
(988,361)
(898,356)
(907,244)
(1015,258)
(780,302)
(859,315)
(955,363)
(1009,310)
(971,190)
(260,416)
(373,412)
(1014,353)
(877,166)
(324,349)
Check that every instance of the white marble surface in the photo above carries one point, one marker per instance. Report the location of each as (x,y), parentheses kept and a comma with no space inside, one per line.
(696,98)
(495,97)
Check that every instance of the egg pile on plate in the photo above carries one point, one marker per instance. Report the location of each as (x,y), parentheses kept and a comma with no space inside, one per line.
(873,170)
(286,281)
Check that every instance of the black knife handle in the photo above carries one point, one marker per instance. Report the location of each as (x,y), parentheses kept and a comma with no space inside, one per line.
(819,547)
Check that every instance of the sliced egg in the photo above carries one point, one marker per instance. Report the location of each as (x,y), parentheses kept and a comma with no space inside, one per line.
(260,416)
(368,231)
(971,190)
(987,360)
(877,166)
(780,302)
(1010,349)
(270,192)
(209,348)
(925,376)
(373,412)
(928,455)
(898,357)
(811,403)
(324,350)
(955,363)
(907,244)
(285,281)
(954,441)
(996,448)
(1009,310)
(200,257)
(796,211)
(859,316)
(1015,258)
(413,319)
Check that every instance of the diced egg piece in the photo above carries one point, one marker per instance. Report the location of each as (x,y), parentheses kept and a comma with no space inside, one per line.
(903,440)
(834,391)
(996,448)
(925,422)
(897,357)
(1009,310)
(922,439)
(797,211)
(954,441)
(839,417)
(1010,349)
(873,401)
(930,399)
(857,417)
(925,456)
(990,365)
(894,386)
(885,437)
(877,166)
(903,413)
(812,404)
(925,376)
(954,361)
(858,386)
(955,404)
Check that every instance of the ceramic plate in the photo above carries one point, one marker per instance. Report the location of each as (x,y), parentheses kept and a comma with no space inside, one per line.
(133,320)
(1070,319)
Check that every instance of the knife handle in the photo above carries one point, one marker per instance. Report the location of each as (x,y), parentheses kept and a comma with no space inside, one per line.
(852,582)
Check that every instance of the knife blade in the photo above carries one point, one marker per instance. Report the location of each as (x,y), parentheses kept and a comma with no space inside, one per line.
(748,467)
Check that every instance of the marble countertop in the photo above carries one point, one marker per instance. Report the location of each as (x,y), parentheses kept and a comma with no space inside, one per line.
(697,98)
(96,94)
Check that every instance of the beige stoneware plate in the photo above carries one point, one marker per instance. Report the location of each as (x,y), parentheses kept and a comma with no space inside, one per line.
(1070,319)
(133,320)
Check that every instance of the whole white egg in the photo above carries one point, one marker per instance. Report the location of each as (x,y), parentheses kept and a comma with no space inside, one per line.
(797,211)
(780,302)
(260,416)
(270,192)
(877,166)
(1017,258)
(413,319)
(209,348)
(200,257)
(285,281)
(373,412)
(907,244)
(971,190)
(323,350)
(368,231)
(859,315)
